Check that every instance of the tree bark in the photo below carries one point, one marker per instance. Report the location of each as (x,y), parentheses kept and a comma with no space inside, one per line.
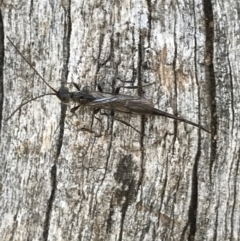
(174,182)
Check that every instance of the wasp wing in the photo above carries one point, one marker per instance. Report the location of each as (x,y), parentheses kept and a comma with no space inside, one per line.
(122,103)
(132,104)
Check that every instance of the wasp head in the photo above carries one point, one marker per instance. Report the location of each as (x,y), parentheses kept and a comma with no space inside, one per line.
(63,94)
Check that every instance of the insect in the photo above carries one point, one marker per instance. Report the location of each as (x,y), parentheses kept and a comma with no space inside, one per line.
(100,100)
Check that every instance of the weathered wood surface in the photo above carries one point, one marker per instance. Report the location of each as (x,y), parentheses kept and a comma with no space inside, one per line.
(176,182)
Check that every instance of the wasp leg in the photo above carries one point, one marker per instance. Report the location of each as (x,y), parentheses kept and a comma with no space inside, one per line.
(73,110)
(76,86)
(122,121)
(100,88)
(95,111)
(127,124)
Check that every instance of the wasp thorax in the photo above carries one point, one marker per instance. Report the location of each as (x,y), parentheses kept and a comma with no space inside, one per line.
(63,94)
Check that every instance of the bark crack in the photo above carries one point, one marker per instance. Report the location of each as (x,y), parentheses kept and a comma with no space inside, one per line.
(232,94)
(125,207)
(149,4)
(175,112)
(110,217)
(209,52)
(50,202)
(66,54)
(140,93)
(1,67)
(193,208)
(215,234)
(235,193)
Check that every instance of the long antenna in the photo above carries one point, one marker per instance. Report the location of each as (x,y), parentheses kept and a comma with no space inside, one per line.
(55,92)
(31,65)
(20,106)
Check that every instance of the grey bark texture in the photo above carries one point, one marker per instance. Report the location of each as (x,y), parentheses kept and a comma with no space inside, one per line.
(175,182)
